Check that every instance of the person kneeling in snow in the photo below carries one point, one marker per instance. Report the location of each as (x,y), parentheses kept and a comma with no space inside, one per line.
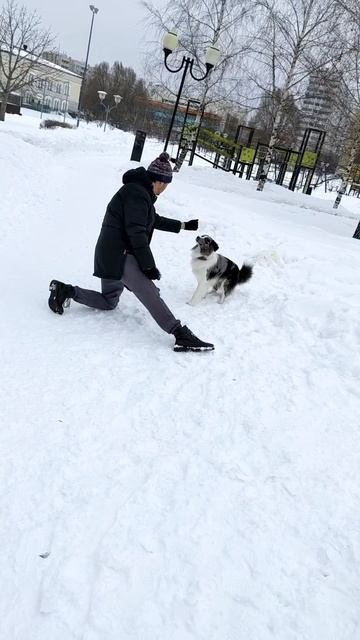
(123,257)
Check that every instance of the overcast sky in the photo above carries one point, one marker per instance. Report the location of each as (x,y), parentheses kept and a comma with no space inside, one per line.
(119,29)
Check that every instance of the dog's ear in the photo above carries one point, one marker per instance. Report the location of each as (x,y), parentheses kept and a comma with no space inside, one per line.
(214,245)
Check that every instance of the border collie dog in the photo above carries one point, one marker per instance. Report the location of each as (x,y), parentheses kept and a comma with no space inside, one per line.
(214,272)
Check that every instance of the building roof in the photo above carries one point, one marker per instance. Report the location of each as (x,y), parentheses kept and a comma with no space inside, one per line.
(45,63)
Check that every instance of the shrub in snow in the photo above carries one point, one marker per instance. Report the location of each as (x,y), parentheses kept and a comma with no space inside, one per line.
(51,124)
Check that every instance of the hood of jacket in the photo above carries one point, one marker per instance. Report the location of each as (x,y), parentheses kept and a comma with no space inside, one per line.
(140,176)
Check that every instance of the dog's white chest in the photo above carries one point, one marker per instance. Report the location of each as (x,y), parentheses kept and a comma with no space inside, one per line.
(200,266)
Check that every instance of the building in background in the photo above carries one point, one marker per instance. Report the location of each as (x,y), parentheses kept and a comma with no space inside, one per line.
(158,114)
(326,106)
(66,62)
(52,88)
(49,87)
(322,105)
(319,101)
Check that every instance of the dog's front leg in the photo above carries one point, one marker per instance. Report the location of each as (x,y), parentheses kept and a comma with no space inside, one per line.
(221,293)
(198,295)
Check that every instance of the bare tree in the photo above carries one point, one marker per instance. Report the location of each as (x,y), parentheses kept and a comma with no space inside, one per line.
(116,80)
(201,23)
(349,103)
(23,42)
(350,99)
(299,37)
(345,169)
(352,10)
(265,114)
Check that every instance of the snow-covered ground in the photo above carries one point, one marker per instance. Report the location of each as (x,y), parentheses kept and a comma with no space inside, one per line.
(148,495)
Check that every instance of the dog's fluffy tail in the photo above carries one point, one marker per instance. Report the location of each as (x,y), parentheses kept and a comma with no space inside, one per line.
(245,273)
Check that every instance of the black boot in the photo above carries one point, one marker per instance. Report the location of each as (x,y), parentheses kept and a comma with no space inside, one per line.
(186,341)
(60,295)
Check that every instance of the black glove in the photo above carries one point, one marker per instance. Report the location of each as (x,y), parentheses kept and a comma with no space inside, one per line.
(153,273)
(191,225)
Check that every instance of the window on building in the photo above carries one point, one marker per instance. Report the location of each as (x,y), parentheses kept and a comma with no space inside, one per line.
(56,105)
(63,105)
(59,87)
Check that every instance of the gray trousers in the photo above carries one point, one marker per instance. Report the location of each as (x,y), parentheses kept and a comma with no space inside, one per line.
(143,288)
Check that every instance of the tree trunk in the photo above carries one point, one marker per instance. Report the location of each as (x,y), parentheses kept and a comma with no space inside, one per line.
(4,99)
(346,177)
(189,142)
(277,122)
(269,152)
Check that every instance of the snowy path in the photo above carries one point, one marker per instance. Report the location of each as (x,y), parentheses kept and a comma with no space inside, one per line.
(209,497)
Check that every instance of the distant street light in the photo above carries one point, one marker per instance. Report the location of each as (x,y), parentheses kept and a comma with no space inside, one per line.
(108,109)
(94,11)
(44,83)
(67,99)
(170,43)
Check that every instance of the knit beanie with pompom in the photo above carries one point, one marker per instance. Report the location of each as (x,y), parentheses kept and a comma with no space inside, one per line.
(160,169)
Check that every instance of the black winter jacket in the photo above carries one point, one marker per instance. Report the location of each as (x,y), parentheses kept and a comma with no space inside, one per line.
(128,225)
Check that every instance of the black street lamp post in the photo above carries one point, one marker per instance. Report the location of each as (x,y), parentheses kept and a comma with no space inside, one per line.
(170,43)
(94,10)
